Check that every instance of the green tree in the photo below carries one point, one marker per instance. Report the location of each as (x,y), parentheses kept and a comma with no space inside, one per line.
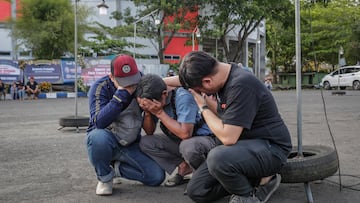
(172,15)
(106,40)
(47,27)
(280,45)
(327,27)
(228,16)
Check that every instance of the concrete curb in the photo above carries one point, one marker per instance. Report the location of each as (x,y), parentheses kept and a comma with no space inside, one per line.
(54,95)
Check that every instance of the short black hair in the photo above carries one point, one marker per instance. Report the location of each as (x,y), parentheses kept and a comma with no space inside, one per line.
(151,86)
(194,67)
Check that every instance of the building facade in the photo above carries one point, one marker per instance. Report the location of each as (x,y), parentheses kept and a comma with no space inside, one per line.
(175,51)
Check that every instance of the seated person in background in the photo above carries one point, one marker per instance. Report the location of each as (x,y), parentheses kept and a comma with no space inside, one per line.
(186,139)
(14,91)
(2,90)
(170,73)
(32,88)
(21,90)
(114,130)
(268,83)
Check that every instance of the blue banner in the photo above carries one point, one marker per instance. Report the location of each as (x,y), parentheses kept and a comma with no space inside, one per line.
(9,71)
(44,72)
(68,70)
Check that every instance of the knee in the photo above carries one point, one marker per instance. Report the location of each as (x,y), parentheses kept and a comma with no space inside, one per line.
(216,160)
(154,175)
(157,177)
(145,143)
(98,138)
(187,149)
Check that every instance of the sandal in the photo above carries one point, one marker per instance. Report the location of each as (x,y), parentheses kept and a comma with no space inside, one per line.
(175,181)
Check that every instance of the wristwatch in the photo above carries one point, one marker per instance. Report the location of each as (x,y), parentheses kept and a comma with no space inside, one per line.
(203,108)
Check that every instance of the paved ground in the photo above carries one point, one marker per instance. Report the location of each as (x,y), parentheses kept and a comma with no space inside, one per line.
(39,163)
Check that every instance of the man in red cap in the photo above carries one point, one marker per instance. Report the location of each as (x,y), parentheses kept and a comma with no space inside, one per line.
(114,130)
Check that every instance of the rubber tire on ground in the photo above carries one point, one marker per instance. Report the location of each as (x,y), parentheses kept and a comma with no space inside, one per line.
(71,121)
(318,162)
(327,85)
(356,85)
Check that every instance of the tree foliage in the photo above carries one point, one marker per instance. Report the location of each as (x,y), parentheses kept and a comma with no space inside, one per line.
(227,16)
(47,27)
(106,40)
(327,27)
(173,17)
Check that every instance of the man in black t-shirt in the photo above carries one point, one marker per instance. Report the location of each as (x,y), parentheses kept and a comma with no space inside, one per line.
(245,118)
(32,88)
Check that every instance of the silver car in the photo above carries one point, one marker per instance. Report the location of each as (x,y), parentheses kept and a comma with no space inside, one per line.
(348,76)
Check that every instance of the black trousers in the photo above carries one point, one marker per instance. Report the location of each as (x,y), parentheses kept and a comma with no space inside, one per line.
(234,169)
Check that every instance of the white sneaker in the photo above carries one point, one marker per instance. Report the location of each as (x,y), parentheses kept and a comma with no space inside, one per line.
(104,188)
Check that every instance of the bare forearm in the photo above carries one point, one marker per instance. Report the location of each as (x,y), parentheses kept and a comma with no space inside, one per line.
(227,134)
(172,81)
(179,129)
(149,124)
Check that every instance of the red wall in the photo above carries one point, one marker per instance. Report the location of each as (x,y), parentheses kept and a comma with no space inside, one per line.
(180,46)
(5,10)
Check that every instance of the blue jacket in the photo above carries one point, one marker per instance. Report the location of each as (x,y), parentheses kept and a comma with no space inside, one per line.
(106,103)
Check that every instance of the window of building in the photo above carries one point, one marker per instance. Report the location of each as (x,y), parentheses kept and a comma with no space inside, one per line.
(5,53)
(172,57)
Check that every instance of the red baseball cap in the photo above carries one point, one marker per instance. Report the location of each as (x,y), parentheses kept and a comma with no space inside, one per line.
(125,70)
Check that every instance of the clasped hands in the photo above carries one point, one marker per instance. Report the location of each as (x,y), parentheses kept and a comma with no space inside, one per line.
(150,105)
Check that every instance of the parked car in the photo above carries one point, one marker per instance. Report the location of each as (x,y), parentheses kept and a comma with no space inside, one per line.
(348,76)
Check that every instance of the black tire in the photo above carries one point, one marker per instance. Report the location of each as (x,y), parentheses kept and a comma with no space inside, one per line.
(327,85)
(356,85)
(318,162)
(71,121)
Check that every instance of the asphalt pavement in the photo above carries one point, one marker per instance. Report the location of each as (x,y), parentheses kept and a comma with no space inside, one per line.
(39,163)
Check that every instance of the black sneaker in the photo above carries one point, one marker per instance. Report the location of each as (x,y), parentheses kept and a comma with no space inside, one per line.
(242,199)
(263,192)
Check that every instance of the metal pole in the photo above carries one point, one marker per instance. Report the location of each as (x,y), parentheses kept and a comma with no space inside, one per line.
(216,48)
(13,38)
(258,44)
(338,75)
(140,19)
(298,76)
(193,41)
(134,40)
(75,59)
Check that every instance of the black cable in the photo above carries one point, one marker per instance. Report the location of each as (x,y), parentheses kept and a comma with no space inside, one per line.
(350,187)
(331,135)
(323,100)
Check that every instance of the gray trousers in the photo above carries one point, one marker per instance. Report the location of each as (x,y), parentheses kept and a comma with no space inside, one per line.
(169,153)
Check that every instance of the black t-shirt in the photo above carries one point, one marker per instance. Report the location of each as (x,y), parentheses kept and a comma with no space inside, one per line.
(245,101)
(32,86)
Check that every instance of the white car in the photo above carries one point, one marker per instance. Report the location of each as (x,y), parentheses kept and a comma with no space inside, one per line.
(348,76)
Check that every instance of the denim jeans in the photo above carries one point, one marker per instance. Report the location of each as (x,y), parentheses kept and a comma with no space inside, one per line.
(103,149)
(234,169)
